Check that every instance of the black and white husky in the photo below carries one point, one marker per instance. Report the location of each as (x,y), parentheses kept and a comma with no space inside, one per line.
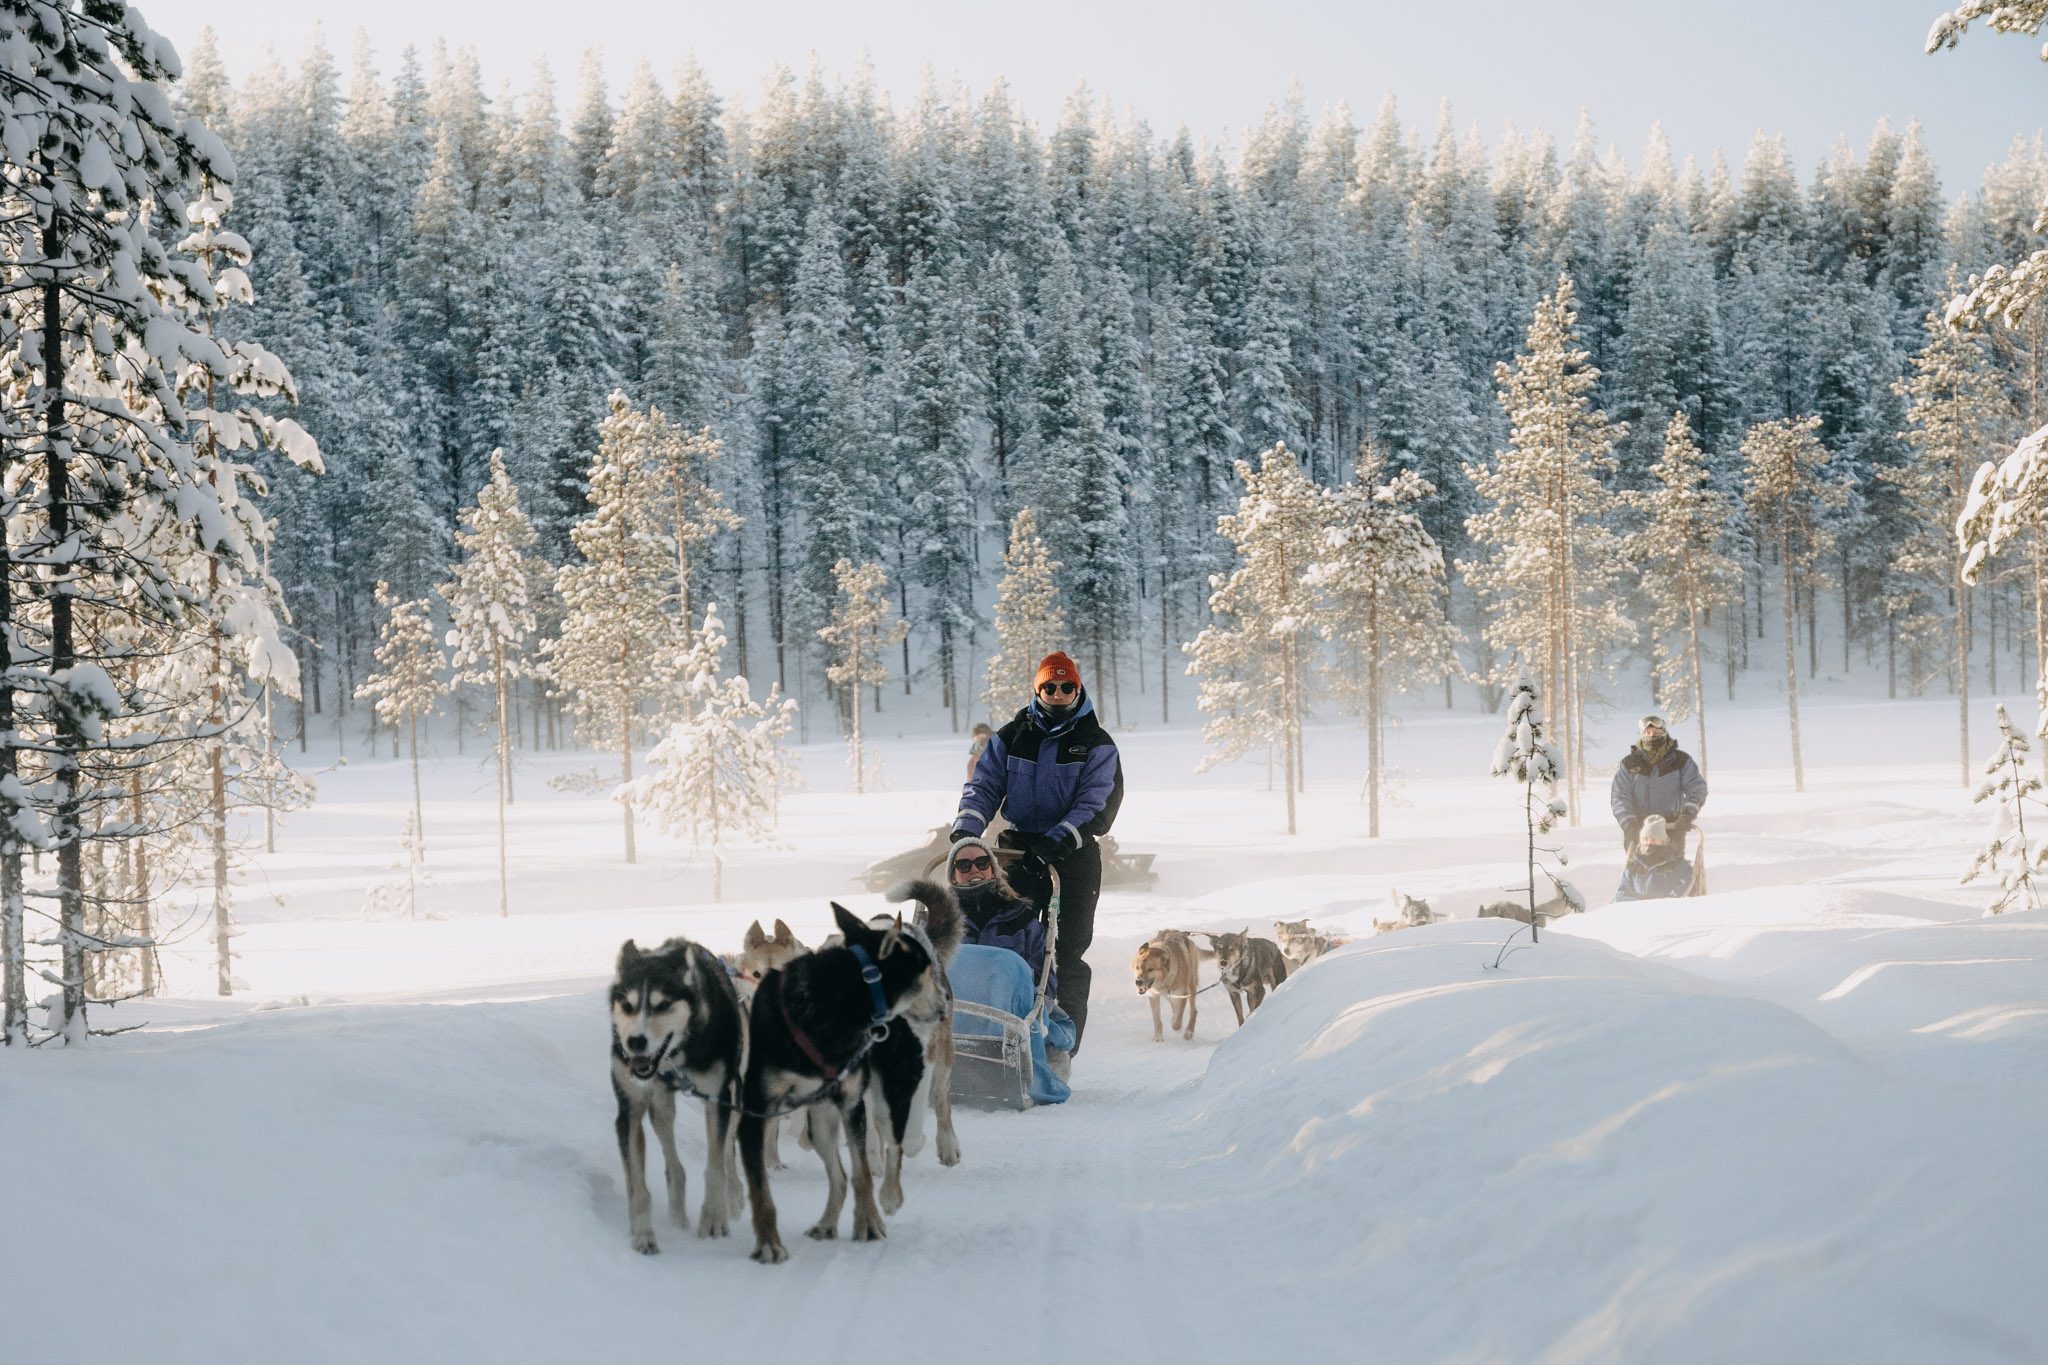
(822,1036)
(676,1024)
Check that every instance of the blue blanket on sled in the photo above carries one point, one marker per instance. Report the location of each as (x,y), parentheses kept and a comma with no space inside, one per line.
(1000,979)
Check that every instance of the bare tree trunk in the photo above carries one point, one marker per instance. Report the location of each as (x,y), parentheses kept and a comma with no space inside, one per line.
(1963,667)
(1699,691)
(145,926)
(1372,717)
(223,930)
(1792,658)
(1290,718)
(412,745)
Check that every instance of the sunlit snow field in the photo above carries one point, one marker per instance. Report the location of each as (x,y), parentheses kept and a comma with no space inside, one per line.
(1798,1119)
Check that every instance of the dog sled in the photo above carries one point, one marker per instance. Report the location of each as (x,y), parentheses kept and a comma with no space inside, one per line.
(999,1059)
(1659,867)
(1118,868)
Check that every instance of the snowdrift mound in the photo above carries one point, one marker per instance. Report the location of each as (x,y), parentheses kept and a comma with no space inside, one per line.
(1587,1156)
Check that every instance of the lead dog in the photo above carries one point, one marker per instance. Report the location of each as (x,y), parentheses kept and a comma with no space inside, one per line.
(675,1022)
(1168,965)
(1249,968)
(819,1040)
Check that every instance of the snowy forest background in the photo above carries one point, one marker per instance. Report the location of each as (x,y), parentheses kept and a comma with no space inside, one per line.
(902,325)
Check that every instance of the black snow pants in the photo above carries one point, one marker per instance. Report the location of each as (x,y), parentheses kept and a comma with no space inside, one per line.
(1080,887)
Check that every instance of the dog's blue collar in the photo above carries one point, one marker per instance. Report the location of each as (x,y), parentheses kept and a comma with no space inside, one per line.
(878,1026)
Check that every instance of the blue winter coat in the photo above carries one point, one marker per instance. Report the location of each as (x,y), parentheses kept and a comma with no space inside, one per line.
(1672,786)
(1061,778)
(997,978)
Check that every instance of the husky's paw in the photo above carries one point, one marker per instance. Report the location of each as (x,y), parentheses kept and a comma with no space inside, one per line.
(644,1243)
(913,1140)
(866,1231)
(770,1253)
(892,1201)
(1190,1033)
(949,1148)
(822,1232)
(713,1224)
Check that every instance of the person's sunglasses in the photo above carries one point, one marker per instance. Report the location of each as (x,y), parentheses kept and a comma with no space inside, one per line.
(1058,689)
(981,864)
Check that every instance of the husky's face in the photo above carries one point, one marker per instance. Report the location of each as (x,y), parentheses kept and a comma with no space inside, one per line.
(1291,932)
(651,1008)
(1152,967)
(1230,949)
(1414,910)
(762,952)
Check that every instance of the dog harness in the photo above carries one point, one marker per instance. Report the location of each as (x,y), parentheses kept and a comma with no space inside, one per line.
(878,1024)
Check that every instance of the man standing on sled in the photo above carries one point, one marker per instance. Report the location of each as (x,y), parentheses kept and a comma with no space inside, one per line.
(1657,778)
(1053,773)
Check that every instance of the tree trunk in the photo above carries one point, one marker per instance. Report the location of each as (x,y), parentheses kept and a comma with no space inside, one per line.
(1290,717)
(412,746)
(223,929)
(1792,657)
(1963,667)
(626,764)
(64,757)
(13,939)
(1372,717)
(145,926)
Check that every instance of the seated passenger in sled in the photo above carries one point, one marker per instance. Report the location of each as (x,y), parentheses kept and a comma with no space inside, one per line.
(1010,1037)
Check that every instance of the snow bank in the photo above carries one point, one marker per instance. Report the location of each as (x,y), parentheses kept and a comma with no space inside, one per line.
(1585,1155)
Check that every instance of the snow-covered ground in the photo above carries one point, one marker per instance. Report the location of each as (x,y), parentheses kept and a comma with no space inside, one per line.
(1794,1120)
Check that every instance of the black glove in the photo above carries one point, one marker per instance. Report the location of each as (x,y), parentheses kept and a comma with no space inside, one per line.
(1629,830)
(1049,848)
(1682,821)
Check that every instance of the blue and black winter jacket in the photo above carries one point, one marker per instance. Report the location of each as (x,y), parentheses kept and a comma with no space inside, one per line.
(1063,778)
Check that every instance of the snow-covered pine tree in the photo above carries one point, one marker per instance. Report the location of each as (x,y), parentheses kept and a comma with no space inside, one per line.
(617,647)
(1253,660)
(1527,755)
(1381,575)
(2007,497)
(858,634)
(717,773)
(1551,570)
(2010,853)
(1029,620)
(691,510)
(490,617)
(1789,495)
(1685,570)
(1958,416)
(405,683)
(127,486)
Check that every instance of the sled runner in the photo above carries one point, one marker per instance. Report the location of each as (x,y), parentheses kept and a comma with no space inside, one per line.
(1004,1019)
(1118,868)
(1658,867)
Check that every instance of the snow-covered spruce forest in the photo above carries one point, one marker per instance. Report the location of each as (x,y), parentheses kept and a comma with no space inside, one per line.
(903,324)
(663,419)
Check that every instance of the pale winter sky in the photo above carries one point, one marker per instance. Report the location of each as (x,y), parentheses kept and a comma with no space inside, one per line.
(1712,70)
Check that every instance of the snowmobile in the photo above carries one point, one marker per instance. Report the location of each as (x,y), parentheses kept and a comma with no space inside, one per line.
(1658,867)
(1118,868)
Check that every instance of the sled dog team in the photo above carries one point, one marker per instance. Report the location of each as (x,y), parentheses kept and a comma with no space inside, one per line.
(854,1035)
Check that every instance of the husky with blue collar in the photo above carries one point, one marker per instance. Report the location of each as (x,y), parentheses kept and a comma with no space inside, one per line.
(820,1039)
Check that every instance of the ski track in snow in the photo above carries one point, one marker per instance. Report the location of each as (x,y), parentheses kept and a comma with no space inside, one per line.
(1793,1120)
